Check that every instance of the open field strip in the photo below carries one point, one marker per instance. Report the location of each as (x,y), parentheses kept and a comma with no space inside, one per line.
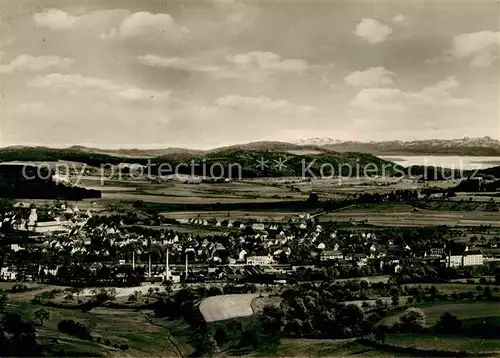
(455,343)
(463,310)
(126,196)
(219,308)
(125,291)
(420,218)
(272,215)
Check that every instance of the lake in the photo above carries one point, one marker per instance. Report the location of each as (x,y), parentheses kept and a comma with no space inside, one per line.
(452,162)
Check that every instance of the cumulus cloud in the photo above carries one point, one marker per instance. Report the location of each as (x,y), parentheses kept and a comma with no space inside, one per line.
(400,19)
(373,31)
(30,108)
(35,63)
(146,23)
(187,64)
(481,48)
(74,84)
(54,19)
(261,102)
(379,99)
(391,99)
(267,61)
(371,77)
(252,66)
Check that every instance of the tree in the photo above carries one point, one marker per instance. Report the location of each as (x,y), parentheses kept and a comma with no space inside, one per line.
(413,319)
(380,333)
(168,284)
(395,301)
(3,300)
(207,345)
(488,293)
(448,323)
(22,338)
(313,197)
(42,314)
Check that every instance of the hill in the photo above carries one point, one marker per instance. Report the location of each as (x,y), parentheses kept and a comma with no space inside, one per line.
(255,160)
(485,146)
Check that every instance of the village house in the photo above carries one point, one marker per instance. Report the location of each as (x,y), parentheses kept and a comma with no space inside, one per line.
(465,259)
(437,251)
(331,255)
(258,226)
(260,260)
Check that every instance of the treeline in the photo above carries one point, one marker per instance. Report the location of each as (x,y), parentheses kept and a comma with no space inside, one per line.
(45,190)
(477,185)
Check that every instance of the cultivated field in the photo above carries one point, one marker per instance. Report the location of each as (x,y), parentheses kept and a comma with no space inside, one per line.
(446,342)
(420,217)
(463,310)
(233,215)
(219,308)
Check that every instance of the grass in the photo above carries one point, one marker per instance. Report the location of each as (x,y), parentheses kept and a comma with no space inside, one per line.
(449,288)
(444,342)
(118,326)
(378,208)
(423,217)
(463,310)
(321,348)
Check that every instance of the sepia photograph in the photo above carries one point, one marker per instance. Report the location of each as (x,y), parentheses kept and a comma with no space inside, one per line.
(255,178)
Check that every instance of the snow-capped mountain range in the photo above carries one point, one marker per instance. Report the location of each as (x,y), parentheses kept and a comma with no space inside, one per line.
(484,146)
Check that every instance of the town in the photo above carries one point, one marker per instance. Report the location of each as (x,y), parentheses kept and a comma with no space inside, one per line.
(235,178)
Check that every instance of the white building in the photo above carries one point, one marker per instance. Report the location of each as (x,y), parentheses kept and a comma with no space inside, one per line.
(331,255)
(473,259)
(467,259)
(454,260)
(260,260)
(258,226)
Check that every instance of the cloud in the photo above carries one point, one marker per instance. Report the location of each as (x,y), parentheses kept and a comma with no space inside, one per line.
(30,108)
(371,77)
(187,64)
(267,61)
(391,99)
(145,24)
(481,48)
(400,19)
(261,102)
(35,63)
(54,19)
(379,99)
(252,66)
(373,31)
(74,84)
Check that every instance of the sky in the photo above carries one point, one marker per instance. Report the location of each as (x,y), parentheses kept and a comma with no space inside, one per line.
(203,74)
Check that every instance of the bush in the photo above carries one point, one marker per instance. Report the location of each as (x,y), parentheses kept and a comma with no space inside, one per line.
(19,287)
(413,319)
(448,323)
(124,347)
(74,328)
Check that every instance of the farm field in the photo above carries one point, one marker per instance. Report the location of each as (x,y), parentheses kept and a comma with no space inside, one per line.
(418,218)
(449,288)
(161,199)
(445,342)
(233,215)
(112,327)
(463,310)
(219,308)
(323,348)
